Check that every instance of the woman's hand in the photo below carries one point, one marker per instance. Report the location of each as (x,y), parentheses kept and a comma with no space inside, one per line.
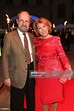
(67,75)
(63,80)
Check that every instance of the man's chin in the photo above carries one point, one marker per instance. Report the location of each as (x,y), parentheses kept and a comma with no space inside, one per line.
(24,30)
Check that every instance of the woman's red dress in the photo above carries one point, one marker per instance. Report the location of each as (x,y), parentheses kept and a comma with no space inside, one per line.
(50,57)
(48,52)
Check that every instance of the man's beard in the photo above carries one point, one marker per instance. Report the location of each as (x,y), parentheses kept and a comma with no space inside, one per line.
(24,28)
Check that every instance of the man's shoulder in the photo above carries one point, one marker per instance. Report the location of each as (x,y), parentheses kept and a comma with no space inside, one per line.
(11,33)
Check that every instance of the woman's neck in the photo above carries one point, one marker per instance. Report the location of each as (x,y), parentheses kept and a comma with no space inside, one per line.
(47,36)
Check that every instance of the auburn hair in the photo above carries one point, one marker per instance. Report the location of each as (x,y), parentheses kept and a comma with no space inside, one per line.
(44,21)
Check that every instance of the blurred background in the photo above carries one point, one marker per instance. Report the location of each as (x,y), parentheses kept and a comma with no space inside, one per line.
(59,12)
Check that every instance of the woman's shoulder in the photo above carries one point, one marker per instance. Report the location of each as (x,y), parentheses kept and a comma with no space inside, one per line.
(37,41)
(56,37)
(37,38)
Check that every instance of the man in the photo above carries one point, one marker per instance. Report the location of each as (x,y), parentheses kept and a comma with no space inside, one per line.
(16,66)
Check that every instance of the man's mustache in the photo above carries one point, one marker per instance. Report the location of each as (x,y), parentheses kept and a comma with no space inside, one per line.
(24,26)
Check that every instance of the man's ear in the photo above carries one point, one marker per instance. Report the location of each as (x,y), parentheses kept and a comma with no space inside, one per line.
(17,21)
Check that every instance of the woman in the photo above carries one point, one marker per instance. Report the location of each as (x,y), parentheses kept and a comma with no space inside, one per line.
(51,61)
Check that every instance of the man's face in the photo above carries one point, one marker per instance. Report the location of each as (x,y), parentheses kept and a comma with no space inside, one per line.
(23,21)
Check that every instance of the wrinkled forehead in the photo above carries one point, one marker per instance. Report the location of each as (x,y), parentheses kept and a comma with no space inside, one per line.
(24,16)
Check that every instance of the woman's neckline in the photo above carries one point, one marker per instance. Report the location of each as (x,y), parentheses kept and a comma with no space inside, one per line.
(45,37)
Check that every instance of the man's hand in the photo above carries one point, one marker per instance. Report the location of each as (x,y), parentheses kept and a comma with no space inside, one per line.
(7,82)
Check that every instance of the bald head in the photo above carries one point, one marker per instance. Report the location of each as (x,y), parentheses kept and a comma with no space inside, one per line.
(25,13)
(23,21)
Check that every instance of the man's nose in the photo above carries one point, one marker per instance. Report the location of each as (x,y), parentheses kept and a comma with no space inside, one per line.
(24,22)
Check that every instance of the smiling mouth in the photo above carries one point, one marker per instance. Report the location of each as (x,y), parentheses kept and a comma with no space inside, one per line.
(43,33)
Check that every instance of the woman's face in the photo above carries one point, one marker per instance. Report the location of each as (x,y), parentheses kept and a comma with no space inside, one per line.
(42,29)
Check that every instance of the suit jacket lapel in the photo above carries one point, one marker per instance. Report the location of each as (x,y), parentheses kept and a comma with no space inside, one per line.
(18,40)
(19,43)
(33,49)
(31,41)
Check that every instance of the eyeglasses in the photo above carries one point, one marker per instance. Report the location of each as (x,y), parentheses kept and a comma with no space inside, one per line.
(22,21)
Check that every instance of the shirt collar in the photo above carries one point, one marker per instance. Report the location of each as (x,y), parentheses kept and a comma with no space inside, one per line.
(21,33)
